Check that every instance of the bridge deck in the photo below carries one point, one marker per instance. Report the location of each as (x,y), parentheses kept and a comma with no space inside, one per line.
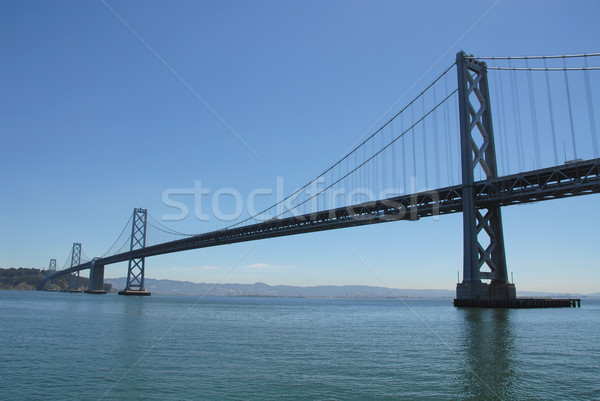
(562,181)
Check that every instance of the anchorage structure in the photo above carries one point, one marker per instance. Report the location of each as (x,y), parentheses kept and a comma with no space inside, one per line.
(135,271)
(482,227)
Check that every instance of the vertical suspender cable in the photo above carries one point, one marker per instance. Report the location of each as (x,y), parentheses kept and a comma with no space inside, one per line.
(551,109)
(353,183)
(425,144)
(404,189)
(375,180)
(383,163)
(394,165)
(500,134)
(457,136)
(447,136)
(319,197)
(323,207)
(356,173)
(325,197)
(365,174)
(570,109)
(68,261)
(352,180)
(435,142)
(534,125)
(342,183)
(588,95)
(517,117)
(325,183)
(414,150)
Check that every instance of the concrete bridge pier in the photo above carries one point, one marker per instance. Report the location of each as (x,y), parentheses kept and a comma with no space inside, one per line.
(96,285)
(479,290)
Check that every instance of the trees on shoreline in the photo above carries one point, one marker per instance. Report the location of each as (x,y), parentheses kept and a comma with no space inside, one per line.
(27,279)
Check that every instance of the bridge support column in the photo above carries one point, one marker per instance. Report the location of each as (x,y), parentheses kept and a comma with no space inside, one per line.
(483,239)
(135,271)
(96,284)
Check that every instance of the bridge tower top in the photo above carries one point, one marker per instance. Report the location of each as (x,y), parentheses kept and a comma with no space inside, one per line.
(76,254)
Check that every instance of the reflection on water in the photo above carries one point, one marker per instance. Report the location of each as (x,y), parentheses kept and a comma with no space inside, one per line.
(488,343)
(77,346)
(132,329)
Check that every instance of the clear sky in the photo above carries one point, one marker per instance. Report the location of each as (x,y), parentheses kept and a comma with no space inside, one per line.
(106,105)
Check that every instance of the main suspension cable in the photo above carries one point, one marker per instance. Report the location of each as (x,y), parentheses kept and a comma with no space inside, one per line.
(122,231)
(535,57)
(543,68)
(348,154)
(169,230)
(376,154)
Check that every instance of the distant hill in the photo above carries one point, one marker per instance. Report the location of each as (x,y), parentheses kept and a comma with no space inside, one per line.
(261,289)
(28,280)
(173,287)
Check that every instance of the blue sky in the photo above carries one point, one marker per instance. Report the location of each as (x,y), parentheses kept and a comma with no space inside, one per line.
(93,124)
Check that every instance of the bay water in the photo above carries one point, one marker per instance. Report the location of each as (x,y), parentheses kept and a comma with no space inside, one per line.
(63,346)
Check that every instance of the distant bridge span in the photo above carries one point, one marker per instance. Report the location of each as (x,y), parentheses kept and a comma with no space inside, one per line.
(573,179)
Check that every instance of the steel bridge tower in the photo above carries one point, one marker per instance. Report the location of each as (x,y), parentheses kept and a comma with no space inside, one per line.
(75,261)
(483,244)
(135,271)
(51,270)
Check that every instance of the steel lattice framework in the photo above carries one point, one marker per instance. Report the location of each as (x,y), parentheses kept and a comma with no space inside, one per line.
(75,261)
(51,270)
(135,271)
(483,239)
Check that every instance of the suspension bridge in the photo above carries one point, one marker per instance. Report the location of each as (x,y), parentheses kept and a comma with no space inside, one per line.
(439,154)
